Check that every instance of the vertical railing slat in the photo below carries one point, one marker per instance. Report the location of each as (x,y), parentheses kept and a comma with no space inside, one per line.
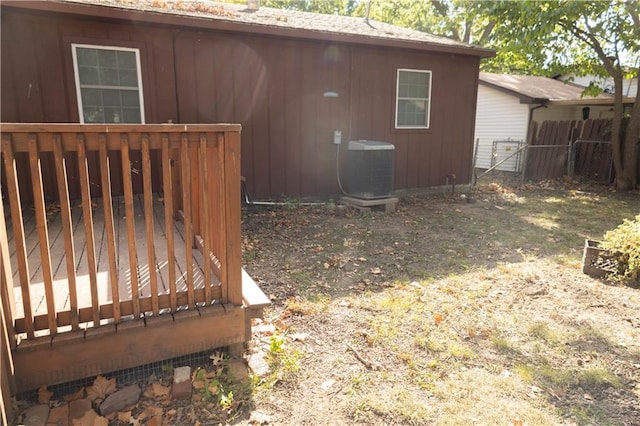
(232,213)
(6,282)
(18,231)
(186,208)
(105,181)
(65,214)
(204,211)
(130,219)
(87,216)
(148,218)
(220,216)
(167,183)
(43,231)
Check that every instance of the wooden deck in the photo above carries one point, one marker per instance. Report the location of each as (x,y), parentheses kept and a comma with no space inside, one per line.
(111,282)
(83,287)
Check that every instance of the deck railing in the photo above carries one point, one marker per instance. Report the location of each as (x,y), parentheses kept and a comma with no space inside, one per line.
(199,167)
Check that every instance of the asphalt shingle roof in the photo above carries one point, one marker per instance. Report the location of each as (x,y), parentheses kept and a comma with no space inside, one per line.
(293,20)
(539,88)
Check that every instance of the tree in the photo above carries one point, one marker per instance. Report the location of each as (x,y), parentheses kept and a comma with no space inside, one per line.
(331,7)
(591,37)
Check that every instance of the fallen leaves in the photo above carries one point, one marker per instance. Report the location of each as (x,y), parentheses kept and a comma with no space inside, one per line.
(75,396)
(90,418)
(437,319)
(216,358)
(44,395)
(160,390)
(101,388)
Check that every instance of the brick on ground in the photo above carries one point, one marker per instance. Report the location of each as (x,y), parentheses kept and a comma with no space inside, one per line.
(181,388)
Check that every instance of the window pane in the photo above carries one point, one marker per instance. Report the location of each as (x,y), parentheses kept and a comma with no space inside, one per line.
(107,58)
(89,75)
(413,85)
(131,115)
(91,97)
(403,77)
(128,78)
(113,115)
(93,115)
(87,57)
(126,60)
(412,113)
(109,77)
(111,98)
(130,98)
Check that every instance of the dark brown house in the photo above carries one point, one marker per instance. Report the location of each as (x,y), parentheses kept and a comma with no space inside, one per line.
(290,78)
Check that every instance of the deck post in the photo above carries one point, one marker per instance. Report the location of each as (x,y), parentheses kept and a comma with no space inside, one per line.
(232,217)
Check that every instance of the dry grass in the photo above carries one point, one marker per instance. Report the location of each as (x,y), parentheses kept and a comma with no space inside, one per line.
(467,313)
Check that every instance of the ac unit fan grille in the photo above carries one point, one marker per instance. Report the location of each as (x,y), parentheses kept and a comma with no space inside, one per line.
(370,169)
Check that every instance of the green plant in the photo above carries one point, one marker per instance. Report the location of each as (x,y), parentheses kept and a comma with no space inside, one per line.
(624,243)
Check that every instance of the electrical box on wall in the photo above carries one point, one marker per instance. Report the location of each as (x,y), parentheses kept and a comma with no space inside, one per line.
(370,169)
(337,137)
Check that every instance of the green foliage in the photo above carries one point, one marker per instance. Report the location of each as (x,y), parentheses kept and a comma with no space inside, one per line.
(625,241)
(331,7)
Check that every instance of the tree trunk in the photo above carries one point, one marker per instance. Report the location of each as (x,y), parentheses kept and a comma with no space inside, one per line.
(628,179)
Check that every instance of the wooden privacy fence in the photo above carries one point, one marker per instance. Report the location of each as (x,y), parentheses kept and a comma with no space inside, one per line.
(550,151)
(87,279)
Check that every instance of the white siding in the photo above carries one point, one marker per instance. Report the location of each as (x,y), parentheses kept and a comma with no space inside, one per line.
(557,113)
(499,117)
(570,112)
(629,86)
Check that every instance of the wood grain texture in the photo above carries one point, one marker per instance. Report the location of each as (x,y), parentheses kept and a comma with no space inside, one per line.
(43,233)
(203,162)
(167,181)
(73,356)
(186,208)
(131,229)
(148,216)
(107,204)
(18,230)
(65,215)
(87,214)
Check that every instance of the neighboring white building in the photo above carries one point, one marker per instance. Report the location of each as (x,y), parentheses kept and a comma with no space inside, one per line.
(629,86)
(507,104)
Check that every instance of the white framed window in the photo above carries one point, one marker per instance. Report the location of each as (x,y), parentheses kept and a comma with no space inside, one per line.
(108,84)
(413,99)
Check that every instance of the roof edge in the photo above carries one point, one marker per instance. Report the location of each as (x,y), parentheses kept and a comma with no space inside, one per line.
(152,17)
(524,99)
(592,101)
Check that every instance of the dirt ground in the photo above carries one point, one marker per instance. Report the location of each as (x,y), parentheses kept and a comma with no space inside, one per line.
(456,309)
(451,310)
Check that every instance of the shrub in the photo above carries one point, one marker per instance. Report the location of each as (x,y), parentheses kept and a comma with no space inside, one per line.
(624,241)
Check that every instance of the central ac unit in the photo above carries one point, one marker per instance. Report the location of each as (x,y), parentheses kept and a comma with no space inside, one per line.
(370,169)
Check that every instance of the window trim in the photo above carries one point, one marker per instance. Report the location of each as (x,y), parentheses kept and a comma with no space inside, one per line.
(76,76)
(428,99)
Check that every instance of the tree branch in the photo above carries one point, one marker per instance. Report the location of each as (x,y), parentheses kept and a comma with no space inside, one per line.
(486,33)
(442,10)
(593,42)
(634,17)
(467,31)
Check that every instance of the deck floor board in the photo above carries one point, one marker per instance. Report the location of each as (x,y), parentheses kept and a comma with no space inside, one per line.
(57,250)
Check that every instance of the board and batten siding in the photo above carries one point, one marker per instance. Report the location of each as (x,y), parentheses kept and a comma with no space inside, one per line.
(289,94)
(498,117)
